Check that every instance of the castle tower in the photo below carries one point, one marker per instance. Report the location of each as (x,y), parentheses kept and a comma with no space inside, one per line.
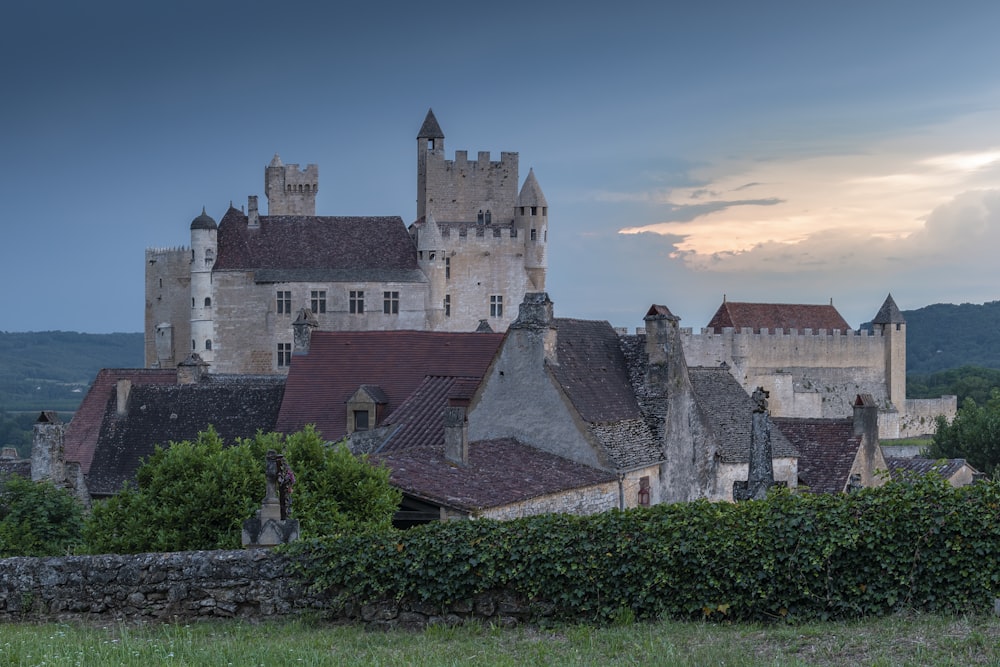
(891,324)
(204,245)
(531,216)
(430,141)
(434,262)
(290,190)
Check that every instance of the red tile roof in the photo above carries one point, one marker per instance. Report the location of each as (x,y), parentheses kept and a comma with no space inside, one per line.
(339,362)
(83,431)
(773,316)
(827,449)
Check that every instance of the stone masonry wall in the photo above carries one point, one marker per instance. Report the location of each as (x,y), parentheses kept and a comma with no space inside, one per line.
(184,586)
(168,293)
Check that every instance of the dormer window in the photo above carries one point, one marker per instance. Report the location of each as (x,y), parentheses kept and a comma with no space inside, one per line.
(360,420)
(365,408)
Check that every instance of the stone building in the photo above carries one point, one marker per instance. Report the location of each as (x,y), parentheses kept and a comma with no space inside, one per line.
(814,365)
(477,244)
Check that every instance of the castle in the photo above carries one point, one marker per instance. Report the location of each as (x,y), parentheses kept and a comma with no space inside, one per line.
(478,244)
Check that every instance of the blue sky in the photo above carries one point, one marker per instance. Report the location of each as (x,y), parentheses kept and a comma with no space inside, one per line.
(766,151)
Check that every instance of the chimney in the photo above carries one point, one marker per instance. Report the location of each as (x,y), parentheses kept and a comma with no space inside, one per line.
(302,329)
(253,218)
(535,317)
(456,435)
(661,330)
(122,391)
(866,425)
(47,439)
(192,369)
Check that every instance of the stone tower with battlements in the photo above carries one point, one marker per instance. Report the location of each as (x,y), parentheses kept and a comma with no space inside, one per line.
(290,190)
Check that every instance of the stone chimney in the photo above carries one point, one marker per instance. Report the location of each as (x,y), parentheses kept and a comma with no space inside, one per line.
(456,435)
(8,453)
(122,391)
(760,476)
(535,320)
(253,217)
(302,329)
(47,459)
(192,369)
(866,425)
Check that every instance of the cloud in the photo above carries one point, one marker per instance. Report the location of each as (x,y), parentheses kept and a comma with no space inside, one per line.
(689,212)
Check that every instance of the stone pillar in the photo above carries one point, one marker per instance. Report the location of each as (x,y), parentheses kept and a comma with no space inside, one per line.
(47,459)
(456,435)
(760,477)
(270,526)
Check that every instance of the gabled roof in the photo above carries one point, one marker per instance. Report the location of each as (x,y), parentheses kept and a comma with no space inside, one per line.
(81,435)
(339,362)
(900,467)
(730,412)
(771,316)
(499,472)
(889,313)
(290,248)
(158,414)
(827,451)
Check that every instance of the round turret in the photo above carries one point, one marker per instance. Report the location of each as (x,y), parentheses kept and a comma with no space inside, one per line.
(204,221)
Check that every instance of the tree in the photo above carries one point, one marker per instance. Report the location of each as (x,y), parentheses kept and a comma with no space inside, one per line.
(196,495)
(37,519)
(974,435)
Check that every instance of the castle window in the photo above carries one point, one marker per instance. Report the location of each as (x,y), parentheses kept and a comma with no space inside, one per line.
(522,210)
(208,302)
(161,282)
(208,344)
(356,302)
(447,268)
(284,355)
(447,305)
(289,188)
(513,232)
(192,302)
(390,303)
(209,256)
(360,420)
(284,302)
(534,235)
(534,210)
(489,216)
(193,345)
(643,499)
(545,210)
(496,305)
(545,236)
(318,301)
(480,217)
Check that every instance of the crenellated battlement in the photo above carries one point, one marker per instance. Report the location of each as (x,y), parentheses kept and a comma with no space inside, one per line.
(508,161)
(151,251)
(764,332)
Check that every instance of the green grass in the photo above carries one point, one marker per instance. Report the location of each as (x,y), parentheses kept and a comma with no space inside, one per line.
(896,640)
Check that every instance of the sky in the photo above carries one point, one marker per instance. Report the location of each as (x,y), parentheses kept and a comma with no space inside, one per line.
(791,152)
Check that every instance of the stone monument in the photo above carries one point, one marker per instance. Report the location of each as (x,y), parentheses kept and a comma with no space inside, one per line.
(271,525)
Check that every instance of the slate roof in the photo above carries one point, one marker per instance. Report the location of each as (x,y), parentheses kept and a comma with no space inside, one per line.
(339,362)
(827,450)
(500,472)
(900,467)
(419,417)
(81,436)
(157,414)
(289,248)
(889,313)
(430,129)
(773,316)
(730,413)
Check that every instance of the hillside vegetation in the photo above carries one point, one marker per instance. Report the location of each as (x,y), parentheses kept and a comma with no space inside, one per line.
(944,336)
(52,369)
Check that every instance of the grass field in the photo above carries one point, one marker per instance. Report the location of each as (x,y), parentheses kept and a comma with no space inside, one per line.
(897,640)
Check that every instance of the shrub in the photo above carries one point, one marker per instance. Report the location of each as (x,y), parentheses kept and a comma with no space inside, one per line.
(37,519)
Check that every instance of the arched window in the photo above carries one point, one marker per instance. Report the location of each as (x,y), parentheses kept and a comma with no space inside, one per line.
(208,302)
(208,343)
(192,302)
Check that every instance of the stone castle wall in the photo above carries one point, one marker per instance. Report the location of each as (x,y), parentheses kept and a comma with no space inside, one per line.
(458,189)
(168,293)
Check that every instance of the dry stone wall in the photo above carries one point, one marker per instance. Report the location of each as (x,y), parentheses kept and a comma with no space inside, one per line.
(184,586)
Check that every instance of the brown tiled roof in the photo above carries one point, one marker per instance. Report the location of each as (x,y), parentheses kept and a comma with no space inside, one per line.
(397,361)
(730,412)
(81,435)
(900,467)
(827,449)
(771,316)
(500,472)
(236,406)
(318,248)
(419,417)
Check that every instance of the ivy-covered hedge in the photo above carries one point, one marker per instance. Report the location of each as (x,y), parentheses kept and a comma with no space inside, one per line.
(920,545)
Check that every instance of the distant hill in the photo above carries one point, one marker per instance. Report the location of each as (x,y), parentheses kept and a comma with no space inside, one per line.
(944,336)
(52,369)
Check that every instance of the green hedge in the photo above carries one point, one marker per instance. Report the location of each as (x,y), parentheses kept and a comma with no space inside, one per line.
(920,545)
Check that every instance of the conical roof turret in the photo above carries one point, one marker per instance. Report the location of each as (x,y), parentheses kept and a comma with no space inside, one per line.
(276,161)
(889,313)
(531,192)
(430,129)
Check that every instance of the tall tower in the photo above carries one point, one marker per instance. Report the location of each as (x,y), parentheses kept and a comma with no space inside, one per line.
(204,245)
(430,140)
(290,190)
(531,216)
(891,324)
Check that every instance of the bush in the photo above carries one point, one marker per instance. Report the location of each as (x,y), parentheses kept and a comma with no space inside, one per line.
(37,519)
(917,545)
